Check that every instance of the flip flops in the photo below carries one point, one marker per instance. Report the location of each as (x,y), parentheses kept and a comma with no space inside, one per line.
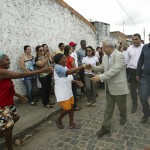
(77,108)
(74,126)
(48,106)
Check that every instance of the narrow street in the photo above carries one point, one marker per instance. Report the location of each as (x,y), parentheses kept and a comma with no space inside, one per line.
(132,136)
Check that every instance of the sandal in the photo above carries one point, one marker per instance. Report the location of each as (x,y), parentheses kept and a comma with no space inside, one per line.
(32,103)
(48,106)
(52,103)
(77,108)
(60,126)
(74,126)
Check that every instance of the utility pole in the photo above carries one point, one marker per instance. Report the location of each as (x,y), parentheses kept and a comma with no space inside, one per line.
(123,27)
(144,34)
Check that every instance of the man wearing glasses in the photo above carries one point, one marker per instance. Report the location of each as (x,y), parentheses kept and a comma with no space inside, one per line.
(114,75)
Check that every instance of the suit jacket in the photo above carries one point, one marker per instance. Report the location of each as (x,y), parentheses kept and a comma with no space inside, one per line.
(114,73)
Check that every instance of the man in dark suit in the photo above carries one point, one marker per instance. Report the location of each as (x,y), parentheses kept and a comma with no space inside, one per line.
(143,75)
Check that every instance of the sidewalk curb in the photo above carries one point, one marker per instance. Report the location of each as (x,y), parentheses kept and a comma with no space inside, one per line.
(31,128)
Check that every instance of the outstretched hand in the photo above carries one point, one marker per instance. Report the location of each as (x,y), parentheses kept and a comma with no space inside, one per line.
(95,78)
(23,98)
(89,66)
(79,83)
(138,78)
(46,69)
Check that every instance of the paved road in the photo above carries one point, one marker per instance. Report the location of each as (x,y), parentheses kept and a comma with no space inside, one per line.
(132,136)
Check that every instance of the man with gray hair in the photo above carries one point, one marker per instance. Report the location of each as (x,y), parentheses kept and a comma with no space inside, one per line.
(113,71)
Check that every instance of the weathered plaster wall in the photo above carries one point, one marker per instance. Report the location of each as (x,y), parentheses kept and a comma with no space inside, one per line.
(35,22)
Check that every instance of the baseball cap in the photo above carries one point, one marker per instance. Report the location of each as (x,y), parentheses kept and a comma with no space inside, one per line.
(72,44)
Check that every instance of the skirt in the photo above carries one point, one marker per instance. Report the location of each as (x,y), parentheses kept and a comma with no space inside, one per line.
(7,114)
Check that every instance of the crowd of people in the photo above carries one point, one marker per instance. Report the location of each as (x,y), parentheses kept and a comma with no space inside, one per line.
(109,67)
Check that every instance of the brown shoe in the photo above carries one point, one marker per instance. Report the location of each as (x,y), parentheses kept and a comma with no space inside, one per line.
(144,119)
(123,121)
(102,132)
(134,108)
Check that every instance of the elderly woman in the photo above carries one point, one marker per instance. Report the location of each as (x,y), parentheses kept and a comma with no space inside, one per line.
(64,95)
(27,63)
(8,112)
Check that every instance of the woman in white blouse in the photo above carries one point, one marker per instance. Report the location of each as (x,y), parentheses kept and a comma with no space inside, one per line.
(90,86)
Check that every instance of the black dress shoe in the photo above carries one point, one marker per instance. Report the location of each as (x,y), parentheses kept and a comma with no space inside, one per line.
(134,108)
(144,119)
(102,132)
(123,121)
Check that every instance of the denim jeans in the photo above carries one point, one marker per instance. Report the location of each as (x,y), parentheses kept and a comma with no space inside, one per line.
(29,89)
(144,95)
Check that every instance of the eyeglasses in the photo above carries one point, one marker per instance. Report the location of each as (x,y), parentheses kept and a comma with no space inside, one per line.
(105,47)
(89,51)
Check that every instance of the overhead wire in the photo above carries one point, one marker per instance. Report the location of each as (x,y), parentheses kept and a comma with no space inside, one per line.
(127,13)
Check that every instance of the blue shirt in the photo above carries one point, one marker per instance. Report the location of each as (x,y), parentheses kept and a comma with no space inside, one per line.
(60,70)
(80,55)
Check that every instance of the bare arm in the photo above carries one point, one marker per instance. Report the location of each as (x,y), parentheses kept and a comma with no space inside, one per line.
(21,97)
(22,63)
(6,74)
(42,63)
(73,64)
(74,70)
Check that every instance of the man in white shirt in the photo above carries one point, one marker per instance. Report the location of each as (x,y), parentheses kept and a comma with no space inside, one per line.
(131,58)
(74,86)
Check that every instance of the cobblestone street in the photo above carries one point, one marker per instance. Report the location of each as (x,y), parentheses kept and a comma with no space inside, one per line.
(132,136)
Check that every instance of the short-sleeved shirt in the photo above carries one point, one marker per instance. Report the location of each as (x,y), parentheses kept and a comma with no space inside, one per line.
(69,62)
(74,55)
(60,70)
(90,60)
(59,51)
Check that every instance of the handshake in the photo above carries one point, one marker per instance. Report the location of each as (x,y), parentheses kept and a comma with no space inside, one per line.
(88,67)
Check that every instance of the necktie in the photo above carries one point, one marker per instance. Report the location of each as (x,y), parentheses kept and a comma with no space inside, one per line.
(108,62)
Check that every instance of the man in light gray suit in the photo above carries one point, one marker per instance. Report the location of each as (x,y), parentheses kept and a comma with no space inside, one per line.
(114,73)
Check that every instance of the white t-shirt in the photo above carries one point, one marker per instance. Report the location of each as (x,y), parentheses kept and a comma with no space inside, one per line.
(74,55)
(90,60)
(97,54)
